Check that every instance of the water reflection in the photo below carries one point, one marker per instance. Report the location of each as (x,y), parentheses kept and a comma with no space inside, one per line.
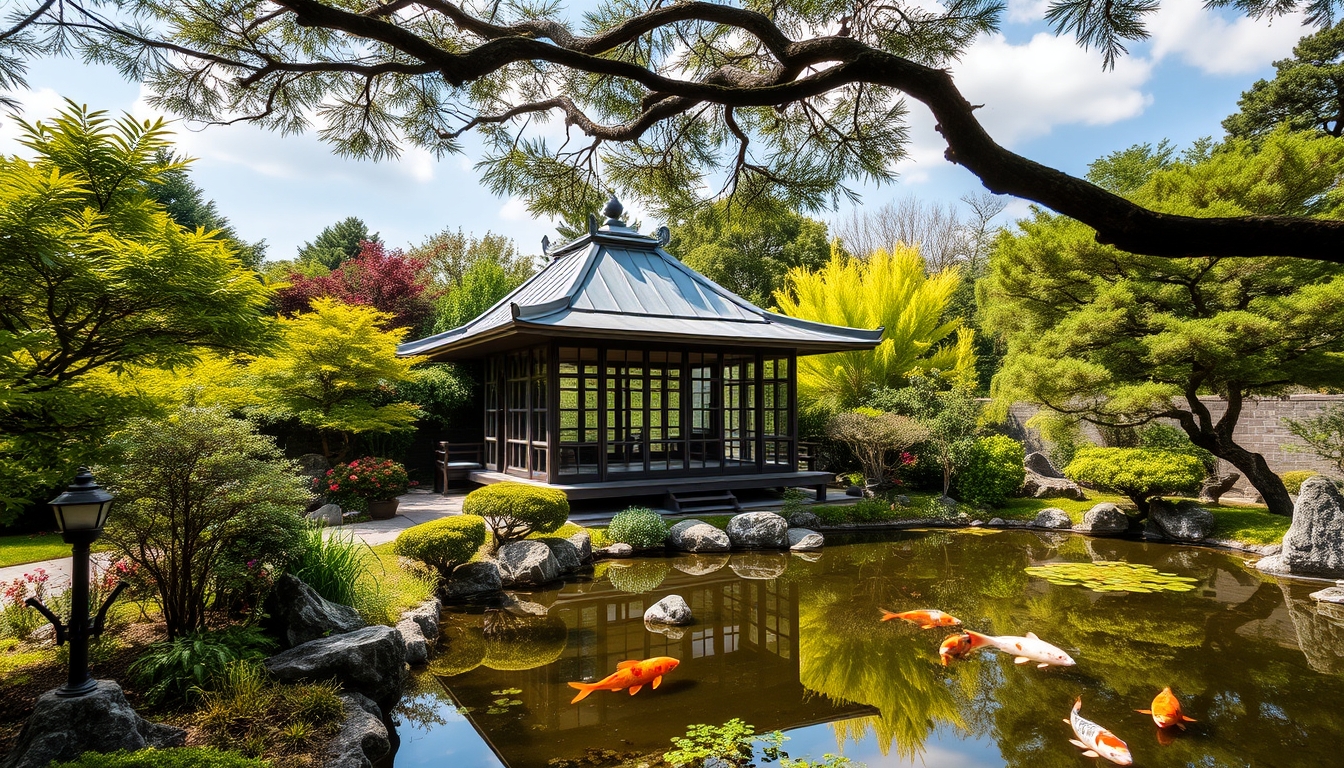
(789,643)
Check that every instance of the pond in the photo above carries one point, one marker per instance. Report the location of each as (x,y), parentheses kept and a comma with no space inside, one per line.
(795,644)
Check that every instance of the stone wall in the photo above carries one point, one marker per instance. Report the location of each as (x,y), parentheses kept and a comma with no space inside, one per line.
(1260,429)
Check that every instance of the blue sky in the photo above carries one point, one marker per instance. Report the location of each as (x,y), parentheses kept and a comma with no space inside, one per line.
(1044,97)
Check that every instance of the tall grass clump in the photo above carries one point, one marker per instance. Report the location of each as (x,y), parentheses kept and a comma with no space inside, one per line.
(332,565)
(180,670)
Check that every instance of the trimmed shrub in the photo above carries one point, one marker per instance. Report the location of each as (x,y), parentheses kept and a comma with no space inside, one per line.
(514,510)
(1139,473)
(177,757)
(180,670)
(443,544)
(1293,480)
(992,471)
(640,527)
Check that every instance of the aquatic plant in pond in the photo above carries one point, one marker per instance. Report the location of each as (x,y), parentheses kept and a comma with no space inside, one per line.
(1113,576)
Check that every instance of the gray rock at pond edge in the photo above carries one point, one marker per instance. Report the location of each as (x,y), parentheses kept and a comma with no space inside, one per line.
(566,554)
(526,562)
(1314,543)
(1038,486)
(802,540)
(758,530)
(583,544)
(362,738)
(1184,521)
(996,522)
(371,661)
(759,565)
(697,536)
(417,648)
(700,565)
(670,610)
(1329,595)
(102,721)
(426,616)
(299,615)
(804,520)
(1104,519)
(1040,464)
(327,514)
(471,580)
(619,549)
(1053,517)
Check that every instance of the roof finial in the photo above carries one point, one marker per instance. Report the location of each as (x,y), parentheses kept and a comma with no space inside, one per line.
(613,210)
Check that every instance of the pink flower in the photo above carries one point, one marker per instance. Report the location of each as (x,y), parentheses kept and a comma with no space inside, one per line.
(353,477)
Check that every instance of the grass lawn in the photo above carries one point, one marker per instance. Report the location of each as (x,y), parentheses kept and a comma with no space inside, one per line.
(1253,525)
(30,548)
(399,589)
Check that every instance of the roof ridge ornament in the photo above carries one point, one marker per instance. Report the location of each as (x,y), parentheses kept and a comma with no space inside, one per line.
(664,236)
(613,210)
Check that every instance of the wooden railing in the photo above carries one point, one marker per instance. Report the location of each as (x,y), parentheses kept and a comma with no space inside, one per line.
(809,456)
(453,463)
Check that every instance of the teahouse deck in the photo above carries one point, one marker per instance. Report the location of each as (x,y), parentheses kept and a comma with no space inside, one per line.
(659,486)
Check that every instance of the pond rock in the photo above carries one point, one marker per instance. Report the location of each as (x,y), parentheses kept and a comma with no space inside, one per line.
(1314,543)
(298,614)
(901,499)
(697,536)
(101,721)
(1043,481)
(1052,517)
(1104,519)
(701,564)
(370,661)
(670,610)
(1040,464)
(758,530)
(362,738)
(619,549)
(583,544)
(1329,595)
(426,615)
(802,540)
(471,580)
(1184,521)
(527,562)
(804,520)
(566,554)
(1320,635)
(327,514)
(759,565)
(417,648)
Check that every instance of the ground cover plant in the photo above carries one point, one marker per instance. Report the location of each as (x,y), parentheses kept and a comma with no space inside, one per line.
(250,713)
(181,670)
(177,757)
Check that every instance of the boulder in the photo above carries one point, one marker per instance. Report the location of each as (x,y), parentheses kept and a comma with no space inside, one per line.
(362,738)
(101,721)
(901,499)
(298,614)
(996,522)
(1053,517)
(1040,464)
(804,520)
(697,536)
(700,565)
(426,616)
(802,540)
(670,610)
(313,464)
(619,549)
(854,490)
(1314,543)
(759,565)
(1185,521)
(1214,487)
(371,661)
(1329,595)
(1038,486)
(527,562)
(327,514)
(566,554)
(472,580)
(1104,519)
(583,544)
(417,648)
(758,530)
(947,502)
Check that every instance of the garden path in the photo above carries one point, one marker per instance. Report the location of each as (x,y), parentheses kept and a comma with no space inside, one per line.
(415,508)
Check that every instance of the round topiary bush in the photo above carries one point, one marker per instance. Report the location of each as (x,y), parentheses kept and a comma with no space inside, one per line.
(1139,473)
(442,544)
(1293,480)
(640,527)
(992,472)
(514,510)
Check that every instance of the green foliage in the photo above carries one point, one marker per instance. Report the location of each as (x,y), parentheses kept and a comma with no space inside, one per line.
(1293,480)
(443,544)
(733,743)
(176,757)
(449,255)
(1167,438)
(328,370)
(252,714)
(992,471)
(515,643)
(186,203)
(1138,473)
(828,761)
(640,576)
(97,276)
(332,564)
(877,438)
(640,527)
(887,289)
(1305,93)
(946,408)
(750,250)
(442,391)
(483,284)
(1323,434)
(337,243)
(201,496)
(179,671)
(514,510)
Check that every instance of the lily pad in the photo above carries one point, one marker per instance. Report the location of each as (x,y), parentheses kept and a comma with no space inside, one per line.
(506,692)
(1113,576)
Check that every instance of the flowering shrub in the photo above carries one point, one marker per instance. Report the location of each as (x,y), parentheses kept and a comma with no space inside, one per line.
(371,479)
(17,619)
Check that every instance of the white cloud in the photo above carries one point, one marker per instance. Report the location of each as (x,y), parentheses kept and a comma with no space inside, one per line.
(515,209)
(1207,40)
(1027,11)
(36,105)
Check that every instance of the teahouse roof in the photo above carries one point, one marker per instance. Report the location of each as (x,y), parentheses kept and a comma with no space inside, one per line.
(615,284)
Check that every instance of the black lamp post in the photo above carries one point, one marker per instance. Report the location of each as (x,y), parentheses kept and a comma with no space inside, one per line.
(81,511)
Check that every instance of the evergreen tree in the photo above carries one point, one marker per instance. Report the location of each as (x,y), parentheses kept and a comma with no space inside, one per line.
(1307,91)
(336,243)
(187,205)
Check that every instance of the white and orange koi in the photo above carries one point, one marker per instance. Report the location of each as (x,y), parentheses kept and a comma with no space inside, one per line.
(1096,741)
(632,674)
(926,619)
(955,647)
(1023,649)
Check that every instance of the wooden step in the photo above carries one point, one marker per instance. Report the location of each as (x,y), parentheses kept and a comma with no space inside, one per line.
(722,501)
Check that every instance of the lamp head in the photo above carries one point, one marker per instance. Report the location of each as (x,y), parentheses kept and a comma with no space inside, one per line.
(83,507)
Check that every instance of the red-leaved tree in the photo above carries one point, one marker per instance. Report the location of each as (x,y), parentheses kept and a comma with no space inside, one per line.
(387,280)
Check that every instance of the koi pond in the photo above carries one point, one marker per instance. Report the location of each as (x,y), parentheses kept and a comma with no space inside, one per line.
(794,643)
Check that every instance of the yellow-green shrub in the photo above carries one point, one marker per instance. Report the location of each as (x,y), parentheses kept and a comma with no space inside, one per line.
(513,510)
(1293,480)
(443,544)
(1139,473)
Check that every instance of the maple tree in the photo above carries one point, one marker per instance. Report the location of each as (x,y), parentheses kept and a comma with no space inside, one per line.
(386,279)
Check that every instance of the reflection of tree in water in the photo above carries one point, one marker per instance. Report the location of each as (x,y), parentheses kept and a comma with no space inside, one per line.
(640,576)
(514,643)
(461,646)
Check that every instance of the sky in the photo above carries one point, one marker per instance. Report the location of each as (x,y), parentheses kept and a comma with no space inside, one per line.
(1044,97)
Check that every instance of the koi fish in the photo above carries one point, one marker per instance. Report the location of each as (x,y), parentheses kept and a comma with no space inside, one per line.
(630,674)
(1166,710)
(1023,649)
(926,619)
(954,648)
(1095,740)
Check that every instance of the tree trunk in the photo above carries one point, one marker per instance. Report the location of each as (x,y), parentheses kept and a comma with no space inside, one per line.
(1217,439)
(1140,502)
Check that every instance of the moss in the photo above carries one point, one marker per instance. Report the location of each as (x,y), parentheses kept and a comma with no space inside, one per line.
(1252,525)
(179,757)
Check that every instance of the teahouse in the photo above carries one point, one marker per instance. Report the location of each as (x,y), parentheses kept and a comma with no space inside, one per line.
(617,370)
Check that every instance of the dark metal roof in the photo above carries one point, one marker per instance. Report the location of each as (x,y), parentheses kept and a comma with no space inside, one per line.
(616,284)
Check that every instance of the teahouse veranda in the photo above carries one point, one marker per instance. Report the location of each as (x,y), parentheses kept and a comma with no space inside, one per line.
(617,370)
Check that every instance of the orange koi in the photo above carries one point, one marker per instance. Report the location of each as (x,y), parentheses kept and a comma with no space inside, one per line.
(1166,710)
(955,648)
(630,674)
(926,619)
